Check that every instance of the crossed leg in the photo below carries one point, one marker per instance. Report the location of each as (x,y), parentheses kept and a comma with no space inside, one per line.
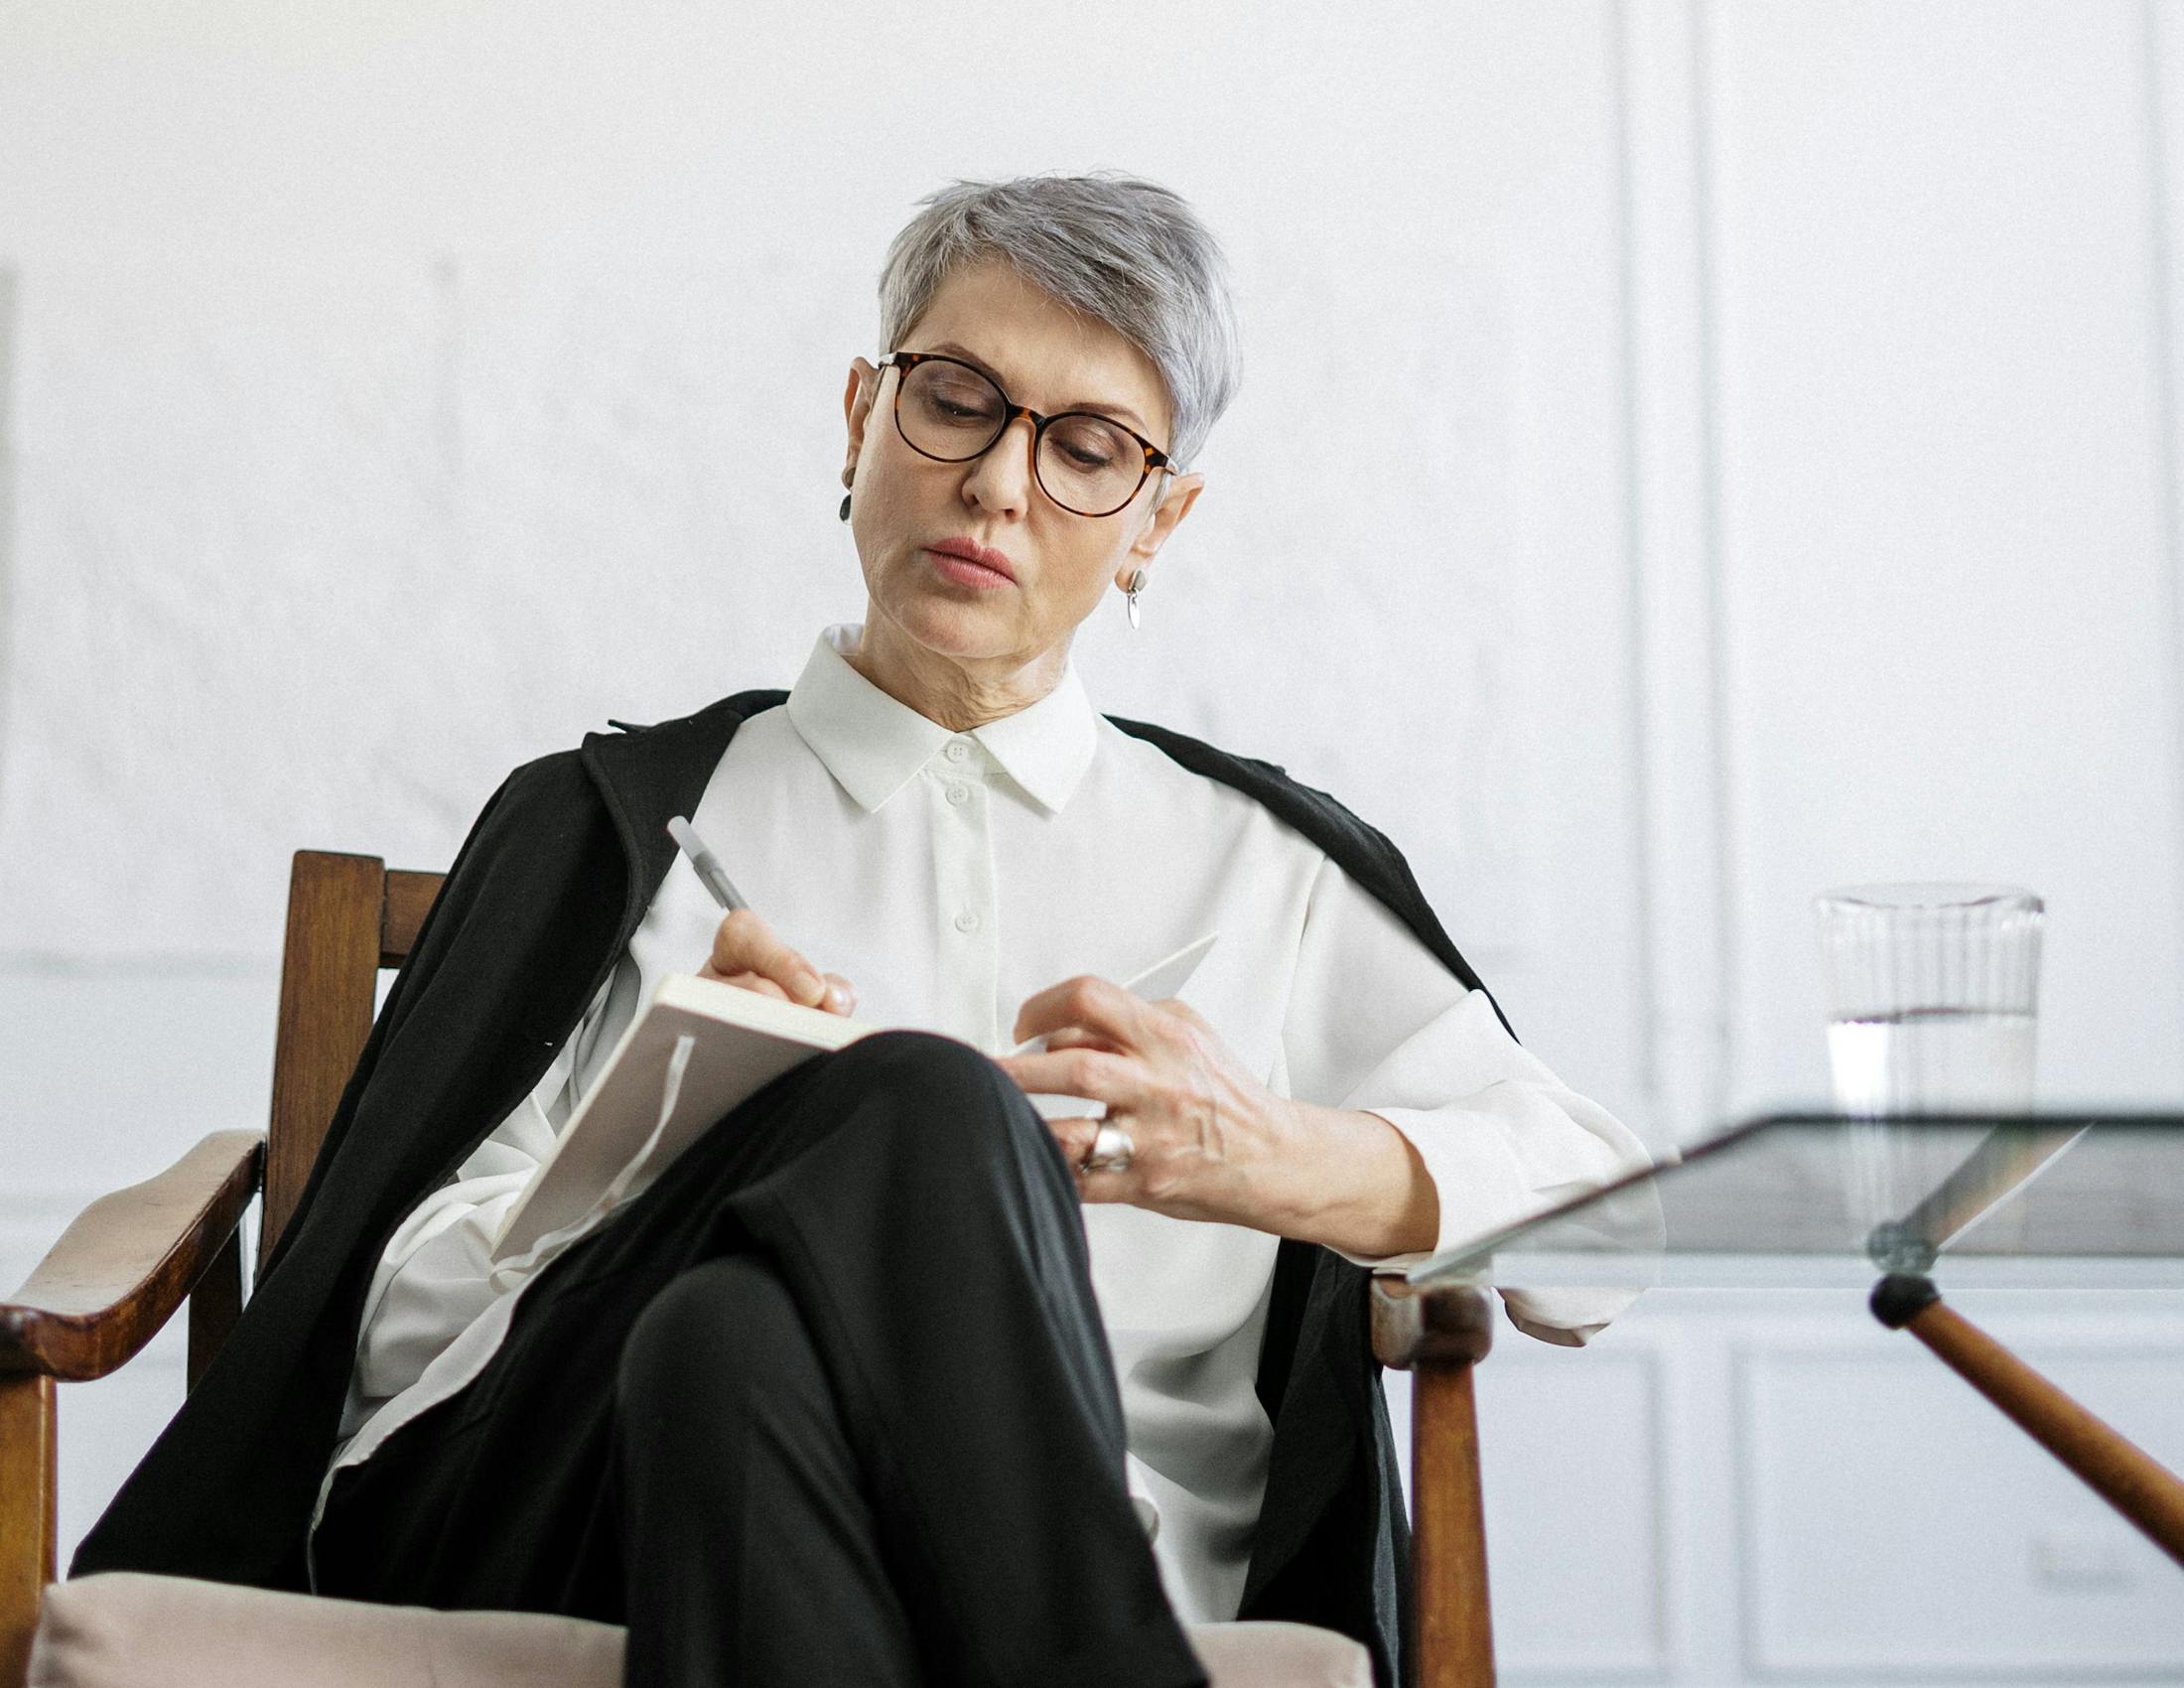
(830,1402)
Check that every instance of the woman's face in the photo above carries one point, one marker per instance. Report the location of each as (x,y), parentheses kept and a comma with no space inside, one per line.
(1044,355)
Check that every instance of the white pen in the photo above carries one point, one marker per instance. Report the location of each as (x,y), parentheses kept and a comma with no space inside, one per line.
(710,871)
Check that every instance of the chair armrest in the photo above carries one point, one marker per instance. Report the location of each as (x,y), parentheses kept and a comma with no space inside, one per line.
(1441,1325)
(120,1272)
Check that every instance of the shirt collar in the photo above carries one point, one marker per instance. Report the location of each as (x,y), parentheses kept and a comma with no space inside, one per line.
(874,745)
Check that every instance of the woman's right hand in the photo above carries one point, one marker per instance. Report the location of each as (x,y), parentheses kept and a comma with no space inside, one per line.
(745,952)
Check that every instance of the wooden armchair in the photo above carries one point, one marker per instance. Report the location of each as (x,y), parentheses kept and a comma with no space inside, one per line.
(120,1272)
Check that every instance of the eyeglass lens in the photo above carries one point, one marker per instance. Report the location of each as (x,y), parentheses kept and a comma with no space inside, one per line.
(1086,463)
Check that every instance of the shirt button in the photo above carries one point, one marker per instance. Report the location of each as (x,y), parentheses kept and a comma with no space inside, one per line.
(966,922)
(958,750)
(959,794)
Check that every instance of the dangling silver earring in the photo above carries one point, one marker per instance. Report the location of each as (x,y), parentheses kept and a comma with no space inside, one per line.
(1130,593)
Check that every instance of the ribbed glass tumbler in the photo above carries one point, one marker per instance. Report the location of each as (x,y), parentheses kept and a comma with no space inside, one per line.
(1932,991)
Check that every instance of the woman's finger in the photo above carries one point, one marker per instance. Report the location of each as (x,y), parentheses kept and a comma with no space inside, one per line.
(758,982)
(1077,1136)
(1097,1005)
(744,943)
(1099,1076)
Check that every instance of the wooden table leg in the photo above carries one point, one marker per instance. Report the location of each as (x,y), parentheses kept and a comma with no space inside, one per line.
(2113,1466)
(1439,1334)
(1455,1622)
(27,1516)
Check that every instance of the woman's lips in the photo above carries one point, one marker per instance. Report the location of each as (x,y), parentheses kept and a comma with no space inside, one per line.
(965,572)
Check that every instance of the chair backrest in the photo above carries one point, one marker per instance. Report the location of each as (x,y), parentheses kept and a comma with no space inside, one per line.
(348,918)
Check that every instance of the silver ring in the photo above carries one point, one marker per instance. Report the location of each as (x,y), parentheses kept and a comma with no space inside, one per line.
(1110,1151)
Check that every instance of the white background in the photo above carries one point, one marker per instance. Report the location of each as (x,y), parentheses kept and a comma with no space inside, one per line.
(1689,455)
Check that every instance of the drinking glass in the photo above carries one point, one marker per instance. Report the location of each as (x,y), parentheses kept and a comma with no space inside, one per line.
(1931,997)
(1932,990)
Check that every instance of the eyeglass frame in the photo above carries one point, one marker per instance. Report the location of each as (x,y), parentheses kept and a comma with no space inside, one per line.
(902,362)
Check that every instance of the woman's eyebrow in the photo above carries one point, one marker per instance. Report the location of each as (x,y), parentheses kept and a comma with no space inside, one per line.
(1121,412)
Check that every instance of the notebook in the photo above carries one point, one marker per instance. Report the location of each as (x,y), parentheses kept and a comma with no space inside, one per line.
(695,1051)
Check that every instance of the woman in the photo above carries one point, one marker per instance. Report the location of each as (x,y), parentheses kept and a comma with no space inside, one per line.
(888,1378)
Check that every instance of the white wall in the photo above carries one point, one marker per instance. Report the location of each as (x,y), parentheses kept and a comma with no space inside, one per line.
(1697,453)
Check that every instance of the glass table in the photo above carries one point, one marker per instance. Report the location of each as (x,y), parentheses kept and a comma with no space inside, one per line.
(1893,1207)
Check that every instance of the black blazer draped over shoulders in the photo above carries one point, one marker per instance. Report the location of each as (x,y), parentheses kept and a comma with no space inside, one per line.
(487,995)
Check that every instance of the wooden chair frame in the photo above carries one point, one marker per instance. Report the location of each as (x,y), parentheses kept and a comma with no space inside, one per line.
(127,1263)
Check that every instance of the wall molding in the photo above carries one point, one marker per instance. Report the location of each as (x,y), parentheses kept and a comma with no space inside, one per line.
(2159,23)
(1769,1652)
(10,336)
(1635,1661)
(1685,893)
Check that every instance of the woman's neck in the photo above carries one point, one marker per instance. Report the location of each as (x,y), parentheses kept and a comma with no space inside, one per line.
(942,689)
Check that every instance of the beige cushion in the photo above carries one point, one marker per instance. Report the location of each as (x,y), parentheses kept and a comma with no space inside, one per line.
(123,1629)
(1279,1655)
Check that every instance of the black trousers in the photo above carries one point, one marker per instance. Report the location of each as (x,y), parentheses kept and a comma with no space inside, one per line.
(830,1402)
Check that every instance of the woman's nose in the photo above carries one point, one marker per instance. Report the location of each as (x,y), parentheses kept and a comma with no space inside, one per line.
(1001,478)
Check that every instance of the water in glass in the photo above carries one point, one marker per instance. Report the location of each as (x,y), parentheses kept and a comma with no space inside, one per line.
(1933,1061)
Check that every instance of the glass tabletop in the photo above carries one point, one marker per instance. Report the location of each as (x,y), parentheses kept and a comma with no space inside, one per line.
(2049,1199)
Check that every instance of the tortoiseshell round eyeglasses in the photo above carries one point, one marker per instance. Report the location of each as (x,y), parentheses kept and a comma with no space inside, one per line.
(952,411)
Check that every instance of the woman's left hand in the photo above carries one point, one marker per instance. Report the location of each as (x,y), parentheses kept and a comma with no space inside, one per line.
(1203,1130)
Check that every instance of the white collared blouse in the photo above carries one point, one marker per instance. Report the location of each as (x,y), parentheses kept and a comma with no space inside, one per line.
(949,876)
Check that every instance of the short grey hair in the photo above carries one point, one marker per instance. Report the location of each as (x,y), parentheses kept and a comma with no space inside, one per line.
(1123,250)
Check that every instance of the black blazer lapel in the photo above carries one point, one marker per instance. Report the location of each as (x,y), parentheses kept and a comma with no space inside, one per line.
(647,775)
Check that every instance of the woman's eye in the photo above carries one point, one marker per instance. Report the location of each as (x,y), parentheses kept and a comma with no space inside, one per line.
(958,407)
(1086,448)
(1088,445)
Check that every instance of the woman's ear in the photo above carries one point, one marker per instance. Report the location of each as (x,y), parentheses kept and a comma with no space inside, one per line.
(857,401)
(1176,498)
